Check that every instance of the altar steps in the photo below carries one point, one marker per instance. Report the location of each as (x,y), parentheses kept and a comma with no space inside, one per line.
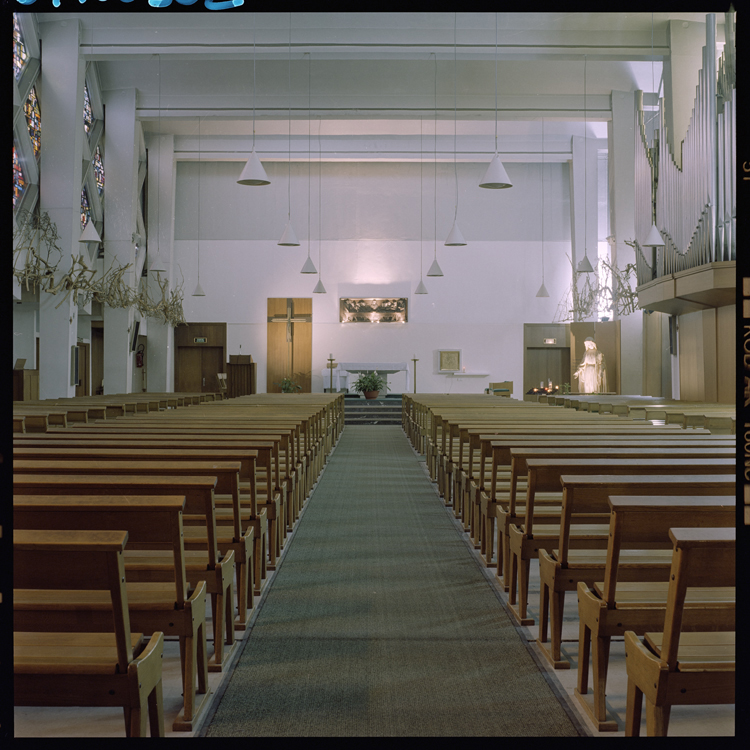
(374,411)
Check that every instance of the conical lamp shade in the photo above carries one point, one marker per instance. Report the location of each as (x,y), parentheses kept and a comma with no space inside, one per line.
(289,238)
(421,288)
(319,288)
(585,265)
(654,238)
(157,266)
(90,234)
(496,177)
(199,291)
(455,238)
(309,266)
(253,172)
(542,291)
(435,269)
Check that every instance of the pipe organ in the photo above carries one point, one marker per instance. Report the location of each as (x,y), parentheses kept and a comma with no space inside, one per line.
(693,205)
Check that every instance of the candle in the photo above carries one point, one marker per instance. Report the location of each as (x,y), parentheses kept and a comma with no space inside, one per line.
(330,356)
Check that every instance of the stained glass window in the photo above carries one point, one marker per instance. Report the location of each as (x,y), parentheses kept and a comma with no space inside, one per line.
(85,210)
(20,56)
(19,181)
(99,170)
(88,117)
(34,120)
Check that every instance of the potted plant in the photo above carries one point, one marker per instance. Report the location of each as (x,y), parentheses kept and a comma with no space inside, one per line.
(288,385)
(370,384)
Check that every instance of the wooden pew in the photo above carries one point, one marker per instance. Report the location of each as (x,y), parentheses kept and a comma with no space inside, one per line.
(588,494)
(276,483)
(216,570)
(639,541)
(673,668)
(518,455)
(229,532)
(268,477)
(249,518)
(169,606)
(114,667)
(491,505)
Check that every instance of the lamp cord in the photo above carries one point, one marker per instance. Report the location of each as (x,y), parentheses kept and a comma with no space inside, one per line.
(455,110)
(253,81)
(289,191)
(309,189)
(420,198)
(542,200)
(199,200)
(435,160)
(320,192)
(585,154)
(495,82)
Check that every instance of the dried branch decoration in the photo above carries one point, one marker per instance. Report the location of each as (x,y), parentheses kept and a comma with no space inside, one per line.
(584,300)
(35,239)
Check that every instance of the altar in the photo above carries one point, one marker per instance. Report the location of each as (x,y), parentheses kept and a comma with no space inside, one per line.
(345,373)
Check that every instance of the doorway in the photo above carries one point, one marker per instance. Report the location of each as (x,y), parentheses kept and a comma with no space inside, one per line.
(199,356)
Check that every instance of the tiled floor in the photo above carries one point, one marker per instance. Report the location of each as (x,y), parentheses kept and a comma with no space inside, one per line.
(709,721)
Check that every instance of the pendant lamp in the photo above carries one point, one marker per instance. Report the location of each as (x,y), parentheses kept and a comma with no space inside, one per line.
(435,269)
(421,288)
(495,177)
(542,289)
(654,238)
(309,266)
(585,265)
(289,238)
(253,172)
(158,266)
(89,233)
(455,238)
(319,288)
(199,289)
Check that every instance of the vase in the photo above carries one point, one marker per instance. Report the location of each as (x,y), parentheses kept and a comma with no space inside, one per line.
(371,394)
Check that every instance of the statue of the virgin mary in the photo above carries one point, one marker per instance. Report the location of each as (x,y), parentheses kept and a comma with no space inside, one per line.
(592,372)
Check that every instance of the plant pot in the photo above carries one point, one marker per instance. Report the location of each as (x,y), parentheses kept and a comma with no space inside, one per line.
(371,394)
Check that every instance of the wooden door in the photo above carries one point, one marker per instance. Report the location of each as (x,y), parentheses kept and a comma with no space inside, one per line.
(289,342)
(197,369)
(97,359)
(84,352)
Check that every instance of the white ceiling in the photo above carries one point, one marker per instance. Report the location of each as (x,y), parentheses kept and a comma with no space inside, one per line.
(373,75)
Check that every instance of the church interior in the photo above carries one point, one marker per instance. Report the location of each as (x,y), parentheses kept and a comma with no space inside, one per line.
(487,212)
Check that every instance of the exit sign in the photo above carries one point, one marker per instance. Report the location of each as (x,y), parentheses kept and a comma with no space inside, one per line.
(550,341)
(200,341)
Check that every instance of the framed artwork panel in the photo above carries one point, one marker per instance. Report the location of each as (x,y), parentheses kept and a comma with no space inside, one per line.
(449,360)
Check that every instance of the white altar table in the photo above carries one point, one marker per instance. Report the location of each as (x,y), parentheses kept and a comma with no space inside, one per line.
(382,368)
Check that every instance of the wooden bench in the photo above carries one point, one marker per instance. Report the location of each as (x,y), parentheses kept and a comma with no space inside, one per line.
(56,667)
(511,511)
(169,605)
(277,486)
(587,495)
(268,477)
(249,515)
(207,564)
(674,668)
(229,528)
(639,543)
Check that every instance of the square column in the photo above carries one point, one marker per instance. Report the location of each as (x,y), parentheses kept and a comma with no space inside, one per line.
(62,79)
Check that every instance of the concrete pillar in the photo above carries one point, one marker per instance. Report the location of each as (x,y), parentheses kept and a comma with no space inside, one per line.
(622,224)
(62,80)
(160,339)
(120,207)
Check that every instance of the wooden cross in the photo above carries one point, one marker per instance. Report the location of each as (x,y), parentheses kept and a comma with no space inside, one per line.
(289,319)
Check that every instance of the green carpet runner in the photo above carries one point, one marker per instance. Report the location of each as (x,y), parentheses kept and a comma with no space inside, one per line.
(379,621)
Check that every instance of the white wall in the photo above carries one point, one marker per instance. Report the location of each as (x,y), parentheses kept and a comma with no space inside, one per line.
(371,247)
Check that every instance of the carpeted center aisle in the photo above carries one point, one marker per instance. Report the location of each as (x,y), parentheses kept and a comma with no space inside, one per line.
(379,621)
